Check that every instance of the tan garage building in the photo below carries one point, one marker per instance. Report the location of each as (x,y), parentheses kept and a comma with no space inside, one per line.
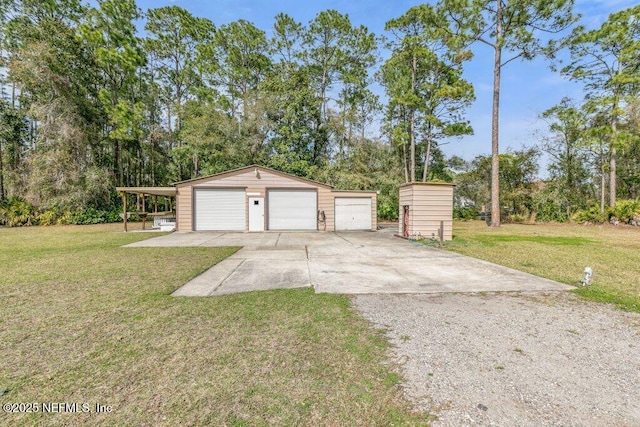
(256,198)
(424,208)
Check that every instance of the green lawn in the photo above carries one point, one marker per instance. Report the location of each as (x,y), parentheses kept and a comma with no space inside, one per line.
(84,320)
(561,252)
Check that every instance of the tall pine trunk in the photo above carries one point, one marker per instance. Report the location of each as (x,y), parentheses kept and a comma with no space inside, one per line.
(614,154)
(1,174)
(117,163)
(412,122)
(602,179)
(495,152)
(404,161)
(427,154)
(612,176)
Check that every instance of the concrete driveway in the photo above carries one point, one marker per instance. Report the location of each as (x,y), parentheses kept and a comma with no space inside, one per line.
(346,262)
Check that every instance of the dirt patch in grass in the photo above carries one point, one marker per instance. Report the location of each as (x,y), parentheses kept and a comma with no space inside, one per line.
(561,253)
(84,320)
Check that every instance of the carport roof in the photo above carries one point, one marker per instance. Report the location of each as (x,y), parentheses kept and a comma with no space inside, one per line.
(153,191)
(245,168)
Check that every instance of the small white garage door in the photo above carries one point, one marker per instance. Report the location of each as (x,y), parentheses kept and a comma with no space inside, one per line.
(293,210)
(353,213)
(219,209)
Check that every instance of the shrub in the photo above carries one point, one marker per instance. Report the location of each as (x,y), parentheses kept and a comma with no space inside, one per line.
(517,218)
(387,210)
(465,214)
(48,217)
(16,212)
(625,210)
(92,216)
(592,214)
(550,211)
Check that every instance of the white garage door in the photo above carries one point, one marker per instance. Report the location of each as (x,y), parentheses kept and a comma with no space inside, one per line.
(293,210)
(353,213)
(219,209)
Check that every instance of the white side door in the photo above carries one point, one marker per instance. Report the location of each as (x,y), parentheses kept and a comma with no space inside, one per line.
(256,213)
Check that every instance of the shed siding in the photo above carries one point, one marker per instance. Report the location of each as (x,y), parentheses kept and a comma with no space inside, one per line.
(406,196)
(428,205)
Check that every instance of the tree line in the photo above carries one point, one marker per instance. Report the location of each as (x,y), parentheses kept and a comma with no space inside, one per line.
(95,97)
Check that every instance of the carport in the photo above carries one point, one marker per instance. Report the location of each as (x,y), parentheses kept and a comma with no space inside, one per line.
(167,192)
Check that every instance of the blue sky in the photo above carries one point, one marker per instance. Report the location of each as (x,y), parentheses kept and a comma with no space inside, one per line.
(528,88)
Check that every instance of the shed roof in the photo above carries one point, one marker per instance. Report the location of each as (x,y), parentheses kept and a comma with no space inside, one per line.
(246,168)
(445,184)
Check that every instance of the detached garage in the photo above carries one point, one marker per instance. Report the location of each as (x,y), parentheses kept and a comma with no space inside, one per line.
(255,198)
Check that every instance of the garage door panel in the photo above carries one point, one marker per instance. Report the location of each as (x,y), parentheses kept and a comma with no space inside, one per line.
(353,213)
(292,209)
(220,210)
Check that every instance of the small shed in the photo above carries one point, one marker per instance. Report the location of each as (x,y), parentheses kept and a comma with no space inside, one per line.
(257,198)
(424,206)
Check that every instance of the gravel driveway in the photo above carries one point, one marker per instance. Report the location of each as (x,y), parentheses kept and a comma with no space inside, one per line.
(513,359)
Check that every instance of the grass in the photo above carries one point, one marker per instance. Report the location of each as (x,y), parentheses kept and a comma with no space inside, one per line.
(561,252)
(85,320)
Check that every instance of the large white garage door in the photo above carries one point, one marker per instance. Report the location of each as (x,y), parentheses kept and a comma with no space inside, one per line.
(353,213)
(219,209)
(293,210)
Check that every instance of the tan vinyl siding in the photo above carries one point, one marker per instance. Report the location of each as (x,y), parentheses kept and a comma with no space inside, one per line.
(184,209)
(257,191)
(325,203)
(406,195)
(374,213)
(248,179)
(250,169)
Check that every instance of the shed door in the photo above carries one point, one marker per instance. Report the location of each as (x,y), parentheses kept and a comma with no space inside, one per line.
(219,209)
(293,210)
(353,213)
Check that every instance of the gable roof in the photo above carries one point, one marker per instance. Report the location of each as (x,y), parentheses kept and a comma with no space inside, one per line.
(244,169)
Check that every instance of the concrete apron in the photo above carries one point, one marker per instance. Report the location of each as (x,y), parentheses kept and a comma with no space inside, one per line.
(345,263)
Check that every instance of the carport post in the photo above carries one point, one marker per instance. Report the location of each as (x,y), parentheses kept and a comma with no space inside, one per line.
(124,209)
(144,212)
